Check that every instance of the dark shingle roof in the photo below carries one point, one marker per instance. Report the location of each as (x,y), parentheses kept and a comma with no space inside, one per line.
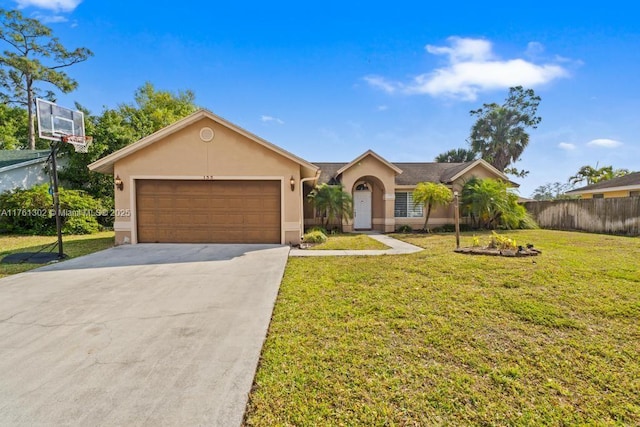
(622,181)
(14,157)
(412,173)
(328,171)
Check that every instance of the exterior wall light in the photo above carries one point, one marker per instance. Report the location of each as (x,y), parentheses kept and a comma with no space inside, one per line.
(292,182)
(118,182)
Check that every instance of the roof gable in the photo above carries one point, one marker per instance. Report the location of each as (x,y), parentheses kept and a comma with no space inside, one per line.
(105,164)
(458,172)
(370,153)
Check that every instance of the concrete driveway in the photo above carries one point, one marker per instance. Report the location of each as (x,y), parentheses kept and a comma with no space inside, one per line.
(137,335)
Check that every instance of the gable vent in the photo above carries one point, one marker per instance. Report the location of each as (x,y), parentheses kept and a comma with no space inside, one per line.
(207,134)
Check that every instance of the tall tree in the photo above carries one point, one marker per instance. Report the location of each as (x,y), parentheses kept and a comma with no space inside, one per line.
(593,175)
(155,109)
(430,195)
(456,155)
(116,128)
(13,128)
(552,191)
(499,134)
(34,56)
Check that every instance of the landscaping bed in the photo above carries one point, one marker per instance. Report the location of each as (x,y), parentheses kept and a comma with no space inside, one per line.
(498,252)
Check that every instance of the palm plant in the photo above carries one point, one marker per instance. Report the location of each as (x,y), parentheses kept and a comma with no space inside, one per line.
(499,135)
(332,202)
(593,175)
(429,195)
(491,204)
(456,155)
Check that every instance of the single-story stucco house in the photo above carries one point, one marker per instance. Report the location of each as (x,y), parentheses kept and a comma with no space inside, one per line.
(204,179)
(622,186)
(23,168)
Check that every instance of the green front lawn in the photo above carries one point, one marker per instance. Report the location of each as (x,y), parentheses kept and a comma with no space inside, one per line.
(350,242)
(438,338)
(74,246)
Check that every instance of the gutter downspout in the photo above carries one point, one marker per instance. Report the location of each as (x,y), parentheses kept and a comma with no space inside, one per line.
(302,181)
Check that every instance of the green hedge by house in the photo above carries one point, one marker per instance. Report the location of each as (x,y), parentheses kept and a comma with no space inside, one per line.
(31,212)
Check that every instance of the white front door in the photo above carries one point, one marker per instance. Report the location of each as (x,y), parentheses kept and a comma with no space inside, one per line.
(362,210)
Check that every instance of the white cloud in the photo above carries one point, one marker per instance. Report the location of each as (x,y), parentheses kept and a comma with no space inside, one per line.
(55,5)
(534,49)
(50,19)
(268,119)
(472,68)
(382,108)
(463,50)
(567,146)
(380,83)
(604,143)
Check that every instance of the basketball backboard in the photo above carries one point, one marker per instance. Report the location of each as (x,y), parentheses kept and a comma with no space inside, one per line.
(54,121)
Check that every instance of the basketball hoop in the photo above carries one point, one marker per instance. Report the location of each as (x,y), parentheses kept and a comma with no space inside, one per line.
(80,143)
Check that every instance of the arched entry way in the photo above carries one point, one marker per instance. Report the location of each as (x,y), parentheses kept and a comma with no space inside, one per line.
(368,203)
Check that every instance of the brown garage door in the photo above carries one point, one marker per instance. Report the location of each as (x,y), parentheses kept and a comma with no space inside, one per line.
(208,211)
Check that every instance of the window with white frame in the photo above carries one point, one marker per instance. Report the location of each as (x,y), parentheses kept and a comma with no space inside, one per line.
(405,208)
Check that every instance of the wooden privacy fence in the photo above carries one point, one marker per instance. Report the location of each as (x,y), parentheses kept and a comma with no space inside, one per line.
(609,216)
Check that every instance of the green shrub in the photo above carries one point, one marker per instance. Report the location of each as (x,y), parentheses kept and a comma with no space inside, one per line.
(405,228)
(31,212)
(315,237)
(318,228)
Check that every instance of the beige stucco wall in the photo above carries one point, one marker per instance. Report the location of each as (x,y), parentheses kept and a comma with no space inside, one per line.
(477,171)
(439,216)
(382,179)
(183,155)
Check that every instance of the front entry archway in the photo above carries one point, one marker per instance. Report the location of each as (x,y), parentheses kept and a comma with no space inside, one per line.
(362,208)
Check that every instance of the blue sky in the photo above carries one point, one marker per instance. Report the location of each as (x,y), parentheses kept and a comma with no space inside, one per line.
(329,80)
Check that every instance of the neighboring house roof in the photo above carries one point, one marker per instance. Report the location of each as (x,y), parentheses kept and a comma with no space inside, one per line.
(412,173)
(13,159)
(105,164)
(627,182)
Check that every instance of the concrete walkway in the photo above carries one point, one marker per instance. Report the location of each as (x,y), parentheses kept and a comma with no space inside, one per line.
(396,246)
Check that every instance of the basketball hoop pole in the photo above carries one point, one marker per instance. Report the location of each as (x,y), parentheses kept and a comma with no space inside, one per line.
(60,125)
(56,196)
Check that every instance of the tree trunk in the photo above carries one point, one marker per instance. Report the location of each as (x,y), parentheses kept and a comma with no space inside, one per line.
(426,220)
(31,116)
